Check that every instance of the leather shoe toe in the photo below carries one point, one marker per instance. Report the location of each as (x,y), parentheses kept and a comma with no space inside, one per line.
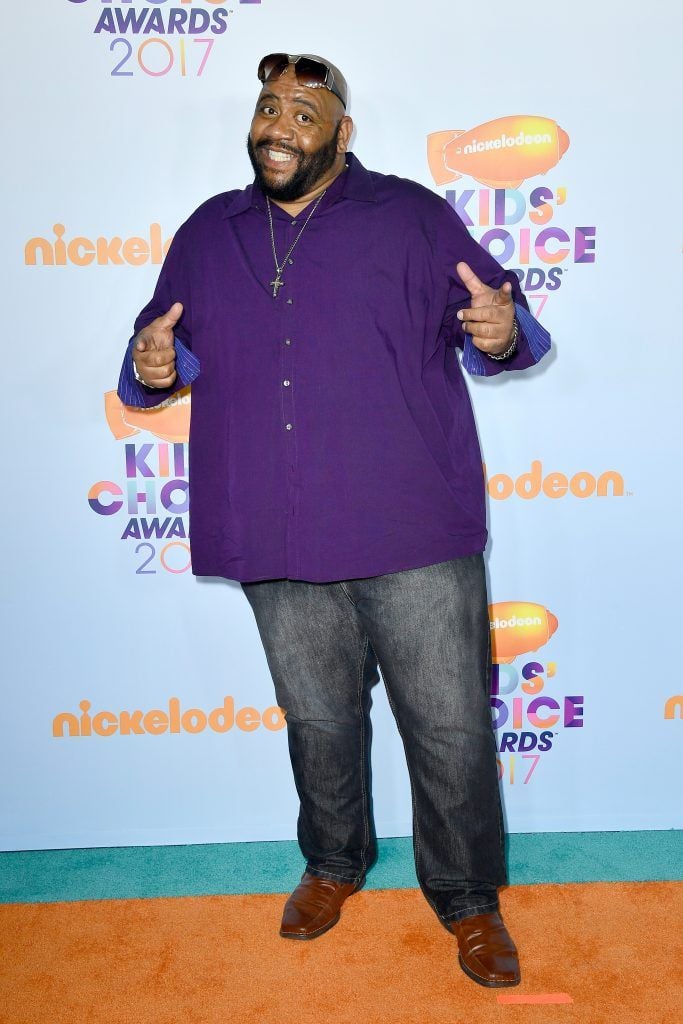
(314,906)
(487,953)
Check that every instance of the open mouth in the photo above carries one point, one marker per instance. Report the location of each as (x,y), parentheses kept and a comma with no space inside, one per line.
(279,156)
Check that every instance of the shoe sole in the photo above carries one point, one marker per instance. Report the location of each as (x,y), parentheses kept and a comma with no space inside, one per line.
(482,981)
(316,933)
(326,927)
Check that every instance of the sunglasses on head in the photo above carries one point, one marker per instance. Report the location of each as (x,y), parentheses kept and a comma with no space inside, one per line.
(309,71)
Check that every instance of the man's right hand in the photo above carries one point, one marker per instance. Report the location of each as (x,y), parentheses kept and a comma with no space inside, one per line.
(154,349)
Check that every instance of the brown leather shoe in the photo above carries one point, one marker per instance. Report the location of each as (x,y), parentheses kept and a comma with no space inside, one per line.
(314,906)
(487,953)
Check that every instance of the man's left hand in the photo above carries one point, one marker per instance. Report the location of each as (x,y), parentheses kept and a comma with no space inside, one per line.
(490,317)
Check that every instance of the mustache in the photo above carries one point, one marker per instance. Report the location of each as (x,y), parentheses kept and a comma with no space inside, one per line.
(273,144)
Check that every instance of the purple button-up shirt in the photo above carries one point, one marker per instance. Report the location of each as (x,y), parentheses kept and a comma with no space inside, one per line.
(332,435)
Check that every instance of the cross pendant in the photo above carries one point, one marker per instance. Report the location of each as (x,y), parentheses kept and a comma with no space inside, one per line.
(277,284)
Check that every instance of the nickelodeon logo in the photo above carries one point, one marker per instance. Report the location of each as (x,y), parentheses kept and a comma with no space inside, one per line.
(80,251)
(673,705)
(172,720)
(518,627)
(501,153)
(170,420)
(554,485)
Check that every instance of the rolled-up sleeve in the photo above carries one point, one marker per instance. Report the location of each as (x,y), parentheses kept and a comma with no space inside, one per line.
(533,341)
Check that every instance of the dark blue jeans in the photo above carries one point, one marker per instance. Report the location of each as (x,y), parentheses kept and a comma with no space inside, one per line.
(428,630)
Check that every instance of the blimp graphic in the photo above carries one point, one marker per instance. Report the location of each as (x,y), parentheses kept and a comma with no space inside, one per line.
(501,153)
(169,421)
(518,627)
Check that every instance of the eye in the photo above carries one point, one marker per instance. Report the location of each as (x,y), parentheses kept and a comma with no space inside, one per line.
(267,109)
(305,119)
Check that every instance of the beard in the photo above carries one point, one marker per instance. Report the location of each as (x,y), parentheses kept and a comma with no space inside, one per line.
(310,168)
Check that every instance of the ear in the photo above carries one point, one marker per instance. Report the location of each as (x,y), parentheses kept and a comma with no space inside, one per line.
(344,133)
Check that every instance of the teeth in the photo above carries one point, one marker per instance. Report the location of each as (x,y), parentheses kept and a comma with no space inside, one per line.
(279,156)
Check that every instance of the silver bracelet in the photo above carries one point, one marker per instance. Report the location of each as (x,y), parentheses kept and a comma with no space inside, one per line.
(512,347)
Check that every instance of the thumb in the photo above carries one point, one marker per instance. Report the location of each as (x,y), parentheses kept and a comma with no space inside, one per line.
(171,317)
(505,292)
(470,280)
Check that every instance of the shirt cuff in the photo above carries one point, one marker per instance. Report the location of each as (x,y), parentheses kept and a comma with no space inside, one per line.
(532,336)
(537,337)
(186,363)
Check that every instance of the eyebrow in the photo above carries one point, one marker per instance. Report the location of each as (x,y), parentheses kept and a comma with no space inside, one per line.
(297,99)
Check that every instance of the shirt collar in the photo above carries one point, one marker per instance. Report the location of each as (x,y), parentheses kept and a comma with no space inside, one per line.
(354,183)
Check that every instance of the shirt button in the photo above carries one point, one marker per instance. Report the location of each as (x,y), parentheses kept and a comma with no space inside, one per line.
(288,426)
(288,341)
(286,383)
(290,301)
(293,222)
(290,262)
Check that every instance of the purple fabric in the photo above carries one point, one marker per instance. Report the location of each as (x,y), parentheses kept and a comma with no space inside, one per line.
(332,434)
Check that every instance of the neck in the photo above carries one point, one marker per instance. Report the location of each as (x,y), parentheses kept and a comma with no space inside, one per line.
(297,205)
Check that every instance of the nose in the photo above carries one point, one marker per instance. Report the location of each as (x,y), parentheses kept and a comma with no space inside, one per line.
(280,127)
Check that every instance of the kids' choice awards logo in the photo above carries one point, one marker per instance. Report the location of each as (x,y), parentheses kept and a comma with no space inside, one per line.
(150,501)
(529,712)
(521,229)
(160,37)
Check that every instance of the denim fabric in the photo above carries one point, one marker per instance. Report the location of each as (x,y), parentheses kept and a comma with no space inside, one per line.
(427,629)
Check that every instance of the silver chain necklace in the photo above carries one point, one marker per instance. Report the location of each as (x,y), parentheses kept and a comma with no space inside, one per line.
(279,268)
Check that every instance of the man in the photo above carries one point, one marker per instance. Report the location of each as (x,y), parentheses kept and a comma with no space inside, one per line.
(335,472)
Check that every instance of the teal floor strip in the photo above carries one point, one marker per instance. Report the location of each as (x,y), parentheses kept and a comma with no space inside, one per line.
(50,876)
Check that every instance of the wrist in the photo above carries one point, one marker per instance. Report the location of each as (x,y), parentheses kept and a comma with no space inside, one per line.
(512,345)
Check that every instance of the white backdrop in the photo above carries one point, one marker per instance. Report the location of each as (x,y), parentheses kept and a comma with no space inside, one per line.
(113,137)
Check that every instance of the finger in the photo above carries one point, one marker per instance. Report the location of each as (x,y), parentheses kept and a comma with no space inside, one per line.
(163,382)
(157,337)
(153,370)
(140,345)
(156,357)
(493,314)
(496,333)
(488,345)
(171,317)
(156,374)
(473,284)
(504,294)
(159,334)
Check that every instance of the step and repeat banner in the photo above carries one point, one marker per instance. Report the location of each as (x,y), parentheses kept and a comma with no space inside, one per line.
(137,707)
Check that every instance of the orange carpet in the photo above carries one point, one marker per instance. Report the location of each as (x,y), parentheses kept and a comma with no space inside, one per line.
(591,953)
